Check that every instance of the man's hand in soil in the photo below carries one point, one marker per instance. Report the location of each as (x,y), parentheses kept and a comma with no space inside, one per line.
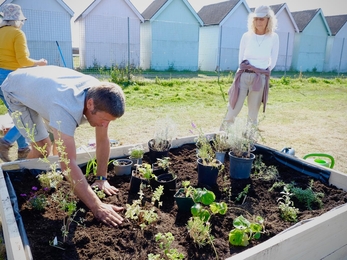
(106,187)
(107,213)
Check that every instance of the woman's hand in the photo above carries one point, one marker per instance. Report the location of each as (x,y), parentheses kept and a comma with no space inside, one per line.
(41,62)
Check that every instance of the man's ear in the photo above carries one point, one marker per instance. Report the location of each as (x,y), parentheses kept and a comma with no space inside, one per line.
(90,104)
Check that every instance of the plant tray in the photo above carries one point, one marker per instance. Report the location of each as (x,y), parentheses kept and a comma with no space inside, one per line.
(320,238)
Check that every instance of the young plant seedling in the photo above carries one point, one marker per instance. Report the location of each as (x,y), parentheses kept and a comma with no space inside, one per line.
(137,212)
(165,241)
(286,206)
(243,194)
(307,196)
(245,230)
(199,227)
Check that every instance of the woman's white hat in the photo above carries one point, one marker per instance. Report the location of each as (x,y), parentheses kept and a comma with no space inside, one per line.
(12,12)
(262,11)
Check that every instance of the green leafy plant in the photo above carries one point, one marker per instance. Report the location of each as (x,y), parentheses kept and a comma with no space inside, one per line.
(276,185)
(91,167)
(220,142)
(164,162)
(286,206)
(144,171)
(36,201)
(165,241)
(205,150)
(50,179)
(243,194)
(262,171)
(199,227)
(307,196)
(244,230)
(200,231)
(241,137)
(100,193)
(136,152)
(139,213)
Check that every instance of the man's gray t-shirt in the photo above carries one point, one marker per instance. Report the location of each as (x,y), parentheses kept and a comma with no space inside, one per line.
(55,93)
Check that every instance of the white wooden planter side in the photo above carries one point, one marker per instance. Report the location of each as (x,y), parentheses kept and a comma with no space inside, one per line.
(13,240)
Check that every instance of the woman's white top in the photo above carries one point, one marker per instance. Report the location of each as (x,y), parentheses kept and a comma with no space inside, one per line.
(260,50)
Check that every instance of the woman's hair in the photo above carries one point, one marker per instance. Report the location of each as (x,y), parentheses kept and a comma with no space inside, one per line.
(17,24)
(107,97)
(271,25)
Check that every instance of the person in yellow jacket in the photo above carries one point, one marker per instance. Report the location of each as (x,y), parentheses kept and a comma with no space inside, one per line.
(14,54)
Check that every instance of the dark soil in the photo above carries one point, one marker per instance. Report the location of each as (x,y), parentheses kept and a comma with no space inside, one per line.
(94,240)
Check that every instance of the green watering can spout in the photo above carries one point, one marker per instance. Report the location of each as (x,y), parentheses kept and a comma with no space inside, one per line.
(317,159)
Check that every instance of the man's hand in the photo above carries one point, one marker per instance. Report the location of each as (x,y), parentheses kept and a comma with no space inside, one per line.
(107,213)
(106,187)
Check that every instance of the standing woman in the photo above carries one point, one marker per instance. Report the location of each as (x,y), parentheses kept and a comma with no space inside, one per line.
(14,54)
(257,57)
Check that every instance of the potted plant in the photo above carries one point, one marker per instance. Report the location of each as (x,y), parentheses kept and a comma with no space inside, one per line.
(182,197)
(122,166)
(160,145)
(136,154)
(208,166)
(142,174)
(241,138)
(161,166)
(168,179)
(220,145)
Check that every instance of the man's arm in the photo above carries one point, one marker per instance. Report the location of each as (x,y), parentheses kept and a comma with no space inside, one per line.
(104,212)
(102,158)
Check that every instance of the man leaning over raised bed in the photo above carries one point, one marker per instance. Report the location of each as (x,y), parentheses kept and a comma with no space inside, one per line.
(67,98)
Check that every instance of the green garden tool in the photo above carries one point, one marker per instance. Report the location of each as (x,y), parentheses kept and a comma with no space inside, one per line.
(317,158)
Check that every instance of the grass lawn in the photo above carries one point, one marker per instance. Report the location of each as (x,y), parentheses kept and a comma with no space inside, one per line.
(305,111)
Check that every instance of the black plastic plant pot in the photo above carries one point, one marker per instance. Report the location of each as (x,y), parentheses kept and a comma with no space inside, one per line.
(157,170)
(154,154)
(184,203)
(135,183)
(168,181)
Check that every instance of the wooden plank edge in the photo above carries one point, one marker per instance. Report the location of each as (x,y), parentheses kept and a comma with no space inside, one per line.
(13,240)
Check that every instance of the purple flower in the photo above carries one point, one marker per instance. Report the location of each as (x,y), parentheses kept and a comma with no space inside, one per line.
(193,125)
(23,195)
(34,188)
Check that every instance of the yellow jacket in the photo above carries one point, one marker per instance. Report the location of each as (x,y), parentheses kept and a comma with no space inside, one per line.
(14,51)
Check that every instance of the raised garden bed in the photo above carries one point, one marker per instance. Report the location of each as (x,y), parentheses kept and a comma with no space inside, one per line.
(316,235)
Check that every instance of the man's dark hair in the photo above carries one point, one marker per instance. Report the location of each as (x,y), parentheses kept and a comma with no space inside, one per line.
(108,97)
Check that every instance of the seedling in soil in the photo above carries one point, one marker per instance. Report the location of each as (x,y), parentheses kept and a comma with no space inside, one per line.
(276,185)
(243,194)
(307,196)
(286,206)
(50,179)
(245,230)
(137,212)
(199,227)
(165,241)
(100,193)
(261,171)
